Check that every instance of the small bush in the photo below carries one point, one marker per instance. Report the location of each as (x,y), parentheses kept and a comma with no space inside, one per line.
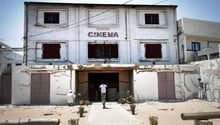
(81,111)
(153,120)
(132,108)
(122,100)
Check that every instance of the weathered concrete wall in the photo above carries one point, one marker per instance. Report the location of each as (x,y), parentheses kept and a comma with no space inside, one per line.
(143,80)
(210,75)
(186,85)
(60,83)
(145,86)
(21,85)
(185,80)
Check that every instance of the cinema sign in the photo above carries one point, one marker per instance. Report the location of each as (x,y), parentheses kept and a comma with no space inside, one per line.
(103,34)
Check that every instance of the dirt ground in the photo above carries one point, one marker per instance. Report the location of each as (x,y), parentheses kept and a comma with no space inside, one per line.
(64,113)
(168,113)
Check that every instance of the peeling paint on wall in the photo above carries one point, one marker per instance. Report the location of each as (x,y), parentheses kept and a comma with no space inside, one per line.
(210,75)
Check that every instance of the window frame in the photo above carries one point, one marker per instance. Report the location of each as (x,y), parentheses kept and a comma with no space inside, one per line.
(63,51)
(54,20)
(63,17)
(51,50)
(153,46)
(162,16)
(103,59)
(164,50)
(152,18)
(194,46)
(115,25)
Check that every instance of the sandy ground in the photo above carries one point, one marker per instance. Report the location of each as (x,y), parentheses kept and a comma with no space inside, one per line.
(64,113)
(168,113)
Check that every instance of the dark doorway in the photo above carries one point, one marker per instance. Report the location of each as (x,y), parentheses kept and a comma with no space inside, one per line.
(40,88)
(166,86)
(5,95)
(111,79)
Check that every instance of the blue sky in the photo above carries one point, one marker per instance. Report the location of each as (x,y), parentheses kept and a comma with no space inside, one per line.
(12,14)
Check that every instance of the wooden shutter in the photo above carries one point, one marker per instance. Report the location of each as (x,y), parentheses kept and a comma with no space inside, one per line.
(114,50)
(153,51)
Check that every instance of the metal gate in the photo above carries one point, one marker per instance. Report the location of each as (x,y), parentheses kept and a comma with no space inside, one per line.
(166,86)
(40,88)
(5,96)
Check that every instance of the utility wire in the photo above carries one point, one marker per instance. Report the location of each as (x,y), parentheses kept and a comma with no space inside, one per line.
(85,23)
(77,24)
(79,21)
(160,2)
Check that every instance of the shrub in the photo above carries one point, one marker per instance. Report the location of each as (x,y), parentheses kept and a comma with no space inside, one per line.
(153,120)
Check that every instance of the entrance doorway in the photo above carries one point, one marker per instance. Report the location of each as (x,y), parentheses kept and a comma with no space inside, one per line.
(112,81)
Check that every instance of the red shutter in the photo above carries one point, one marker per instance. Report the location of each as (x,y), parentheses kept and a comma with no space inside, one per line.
(114,50)
(91,50)
(51,51)
(153,51)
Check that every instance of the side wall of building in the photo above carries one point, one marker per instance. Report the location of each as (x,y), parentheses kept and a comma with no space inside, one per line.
(210,75)
(142,82)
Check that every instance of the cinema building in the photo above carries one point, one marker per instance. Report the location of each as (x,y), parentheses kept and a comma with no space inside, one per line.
(75,46)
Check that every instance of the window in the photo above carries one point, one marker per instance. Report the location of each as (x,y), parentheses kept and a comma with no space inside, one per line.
(51,51)
(153,51)
(51,17)
(101,51)
(195,46)
(151,18)
(56,17)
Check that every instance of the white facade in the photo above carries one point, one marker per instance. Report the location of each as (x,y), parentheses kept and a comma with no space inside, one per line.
(100,42)
(196,35)
(83,24)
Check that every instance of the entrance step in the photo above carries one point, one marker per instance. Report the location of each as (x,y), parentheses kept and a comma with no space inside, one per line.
(114,114)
